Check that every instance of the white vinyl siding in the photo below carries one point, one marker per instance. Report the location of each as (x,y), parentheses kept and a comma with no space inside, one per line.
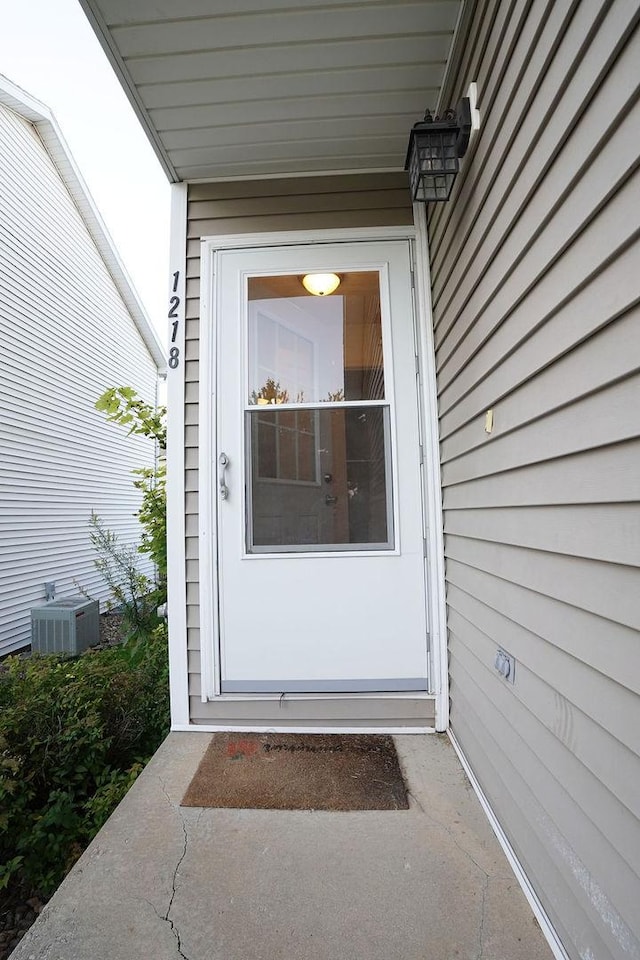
(535,290)
(66,336)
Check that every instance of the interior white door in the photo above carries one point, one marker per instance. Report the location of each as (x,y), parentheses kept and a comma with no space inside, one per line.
(320,546)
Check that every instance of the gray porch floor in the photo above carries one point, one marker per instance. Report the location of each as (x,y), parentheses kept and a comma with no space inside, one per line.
(162,882)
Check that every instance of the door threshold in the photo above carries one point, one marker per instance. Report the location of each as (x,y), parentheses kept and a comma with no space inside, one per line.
(368,695)
(297,728)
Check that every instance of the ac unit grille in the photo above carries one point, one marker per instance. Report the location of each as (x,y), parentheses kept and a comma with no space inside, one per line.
(67,625)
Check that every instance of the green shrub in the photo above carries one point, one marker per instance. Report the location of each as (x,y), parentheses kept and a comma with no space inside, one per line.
(135,596)
(123,406)
(74,734)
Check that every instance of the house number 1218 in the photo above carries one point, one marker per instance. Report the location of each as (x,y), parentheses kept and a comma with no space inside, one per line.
(174,303)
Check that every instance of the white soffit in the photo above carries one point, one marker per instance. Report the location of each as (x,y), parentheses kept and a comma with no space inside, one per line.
(232,88)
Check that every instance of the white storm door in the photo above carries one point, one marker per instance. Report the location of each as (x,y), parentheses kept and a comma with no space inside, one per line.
(320,543)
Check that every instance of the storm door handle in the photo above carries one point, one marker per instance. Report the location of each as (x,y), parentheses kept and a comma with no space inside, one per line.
(223,463)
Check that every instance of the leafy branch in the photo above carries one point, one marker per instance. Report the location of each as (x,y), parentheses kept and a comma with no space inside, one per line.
(122,405)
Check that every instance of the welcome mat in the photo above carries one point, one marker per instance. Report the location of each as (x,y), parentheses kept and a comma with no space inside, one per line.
(293,771)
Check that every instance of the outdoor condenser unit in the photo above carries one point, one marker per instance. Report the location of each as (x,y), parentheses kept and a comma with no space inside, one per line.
(66,625)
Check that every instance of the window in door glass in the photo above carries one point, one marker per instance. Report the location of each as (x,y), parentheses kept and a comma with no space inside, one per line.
(350,505)
(309,349)
(284,356)
(285,446)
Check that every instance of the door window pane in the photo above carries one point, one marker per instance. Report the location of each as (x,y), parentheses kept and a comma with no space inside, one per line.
(319,479)
(286,447)
(310,349)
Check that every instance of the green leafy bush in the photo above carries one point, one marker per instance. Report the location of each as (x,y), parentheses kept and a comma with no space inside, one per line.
(135,595)
(153,519)
(74,734)
(123,406)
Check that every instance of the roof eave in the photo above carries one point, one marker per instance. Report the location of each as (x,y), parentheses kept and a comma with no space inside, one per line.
(113,55)
(41,117)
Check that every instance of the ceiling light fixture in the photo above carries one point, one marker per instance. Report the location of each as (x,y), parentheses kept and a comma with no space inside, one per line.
(321,284)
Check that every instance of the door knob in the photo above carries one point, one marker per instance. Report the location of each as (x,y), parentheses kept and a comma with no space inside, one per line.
(329,500)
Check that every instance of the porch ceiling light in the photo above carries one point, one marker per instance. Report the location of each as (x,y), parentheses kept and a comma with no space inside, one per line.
(321,284)
(436,145)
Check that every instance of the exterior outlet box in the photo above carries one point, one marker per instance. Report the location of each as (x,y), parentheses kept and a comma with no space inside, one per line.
(66,625)
(505,664)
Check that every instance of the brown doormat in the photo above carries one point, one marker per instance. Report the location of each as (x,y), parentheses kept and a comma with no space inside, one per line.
(293,771)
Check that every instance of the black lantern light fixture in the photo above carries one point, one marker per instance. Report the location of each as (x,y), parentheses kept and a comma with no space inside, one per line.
(436,145)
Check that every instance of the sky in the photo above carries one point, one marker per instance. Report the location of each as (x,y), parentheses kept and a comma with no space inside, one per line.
(48,48)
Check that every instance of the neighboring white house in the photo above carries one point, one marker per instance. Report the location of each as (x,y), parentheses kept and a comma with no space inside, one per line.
(71,325)
(299,579)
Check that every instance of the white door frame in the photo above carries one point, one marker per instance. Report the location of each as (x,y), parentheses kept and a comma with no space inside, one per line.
(210,673)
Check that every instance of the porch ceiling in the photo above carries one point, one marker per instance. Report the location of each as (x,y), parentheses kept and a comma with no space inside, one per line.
(229,88)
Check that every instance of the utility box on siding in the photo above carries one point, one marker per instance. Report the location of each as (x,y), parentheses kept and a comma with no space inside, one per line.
(67,625)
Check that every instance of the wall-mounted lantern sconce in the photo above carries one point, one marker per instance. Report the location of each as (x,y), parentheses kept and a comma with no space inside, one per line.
(436,145)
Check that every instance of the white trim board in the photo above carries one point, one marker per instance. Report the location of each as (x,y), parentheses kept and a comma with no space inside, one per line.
(297,175)
(541,915)
(207,516)
(434,533)
(176,554)
(428,418)
(293,238)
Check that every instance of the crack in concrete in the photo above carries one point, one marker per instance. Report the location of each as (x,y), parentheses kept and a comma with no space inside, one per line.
(483,916)
(487,876)
(415,800)
(151,904)
(449,833)
(166,917)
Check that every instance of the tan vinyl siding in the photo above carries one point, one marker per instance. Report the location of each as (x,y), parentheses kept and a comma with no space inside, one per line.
(67,335)
(303,203)
(392,713)
(536,289)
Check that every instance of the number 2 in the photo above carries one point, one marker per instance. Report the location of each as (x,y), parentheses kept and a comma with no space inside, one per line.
(174,303)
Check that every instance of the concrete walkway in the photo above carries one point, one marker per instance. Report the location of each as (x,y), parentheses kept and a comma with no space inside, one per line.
(161,882)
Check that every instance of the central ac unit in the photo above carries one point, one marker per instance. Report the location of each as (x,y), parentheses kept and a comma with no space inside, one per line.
(65,625)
